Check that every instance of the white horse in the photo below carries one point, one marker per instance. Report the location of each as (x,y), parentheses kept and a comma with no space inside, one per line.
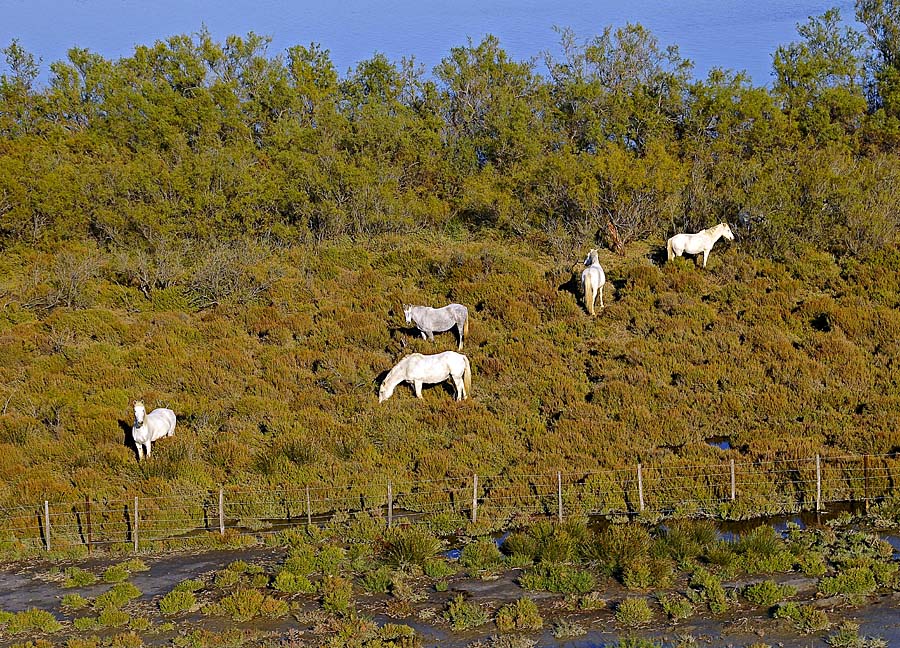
(417,369)
(592,281)
(149,427)
(428,320)
(696,243)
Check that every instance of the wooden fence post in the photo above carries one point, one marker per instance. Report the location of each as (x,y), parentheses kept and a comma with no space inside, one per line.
(134,525)
(390,507)
(221,512)
(474,498)
(733,482)
(308,508)
(640,487)
(818,483)
(90,527)
(559,494)
(47,524)
(866,481)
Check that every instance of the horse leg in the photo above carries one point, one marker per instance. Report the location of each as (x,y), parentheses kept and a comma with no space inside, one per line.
(431,336)
(417,386)
(140,450)
(705,254)
(459,329)
(460,387)
(601,297)
(424,335)
(147,447)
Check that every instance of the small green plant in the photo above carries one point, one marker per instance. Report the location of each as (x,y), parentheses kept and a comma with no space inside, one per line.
(438,568)
(74,602)
(706,587)
(676,606)
(410,546)
(111,617)
(441,586)
(464,615)
(32,620)
(855,583)
(847,636)
(805,618)
(77,577)
(592,601)
(246,604)
(135,565)
(521,615)
(139,624)
(565,629)
(117,596)
(86,623)
(812,563)
(189,585)
(337,594)
(177,601)
(292,583)
(768,593)
(634,612)
(562,579)
(378,581)
(115,574)
(481,555)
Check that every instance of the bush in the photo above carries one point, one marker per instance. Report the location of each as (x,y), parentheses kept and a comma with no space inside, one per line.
(566,629)
(847,636)
(805,618)
(463,615)
(562,579)
(410,546)
(117,596)
(521,615)
(706,587)
(115,574)
(768,593)
(74,601)
(77,577)
(177,601)
(189,585)
(32,620)
(676,606)
(291,582)
(337,594)
(854,583)
(378,581)
(111,617)
(634,612)
(481,555)
(438,568)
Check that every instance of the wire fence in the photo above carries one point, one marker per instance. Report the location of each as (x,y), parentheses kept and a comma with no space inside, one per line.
(735,490)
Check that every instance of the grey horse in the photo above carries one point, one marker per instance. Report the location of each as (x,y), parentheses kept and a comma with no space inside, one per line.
(430,320)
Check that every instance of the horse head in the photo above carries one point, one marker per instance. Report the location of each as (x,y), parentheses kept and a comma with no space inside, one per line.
(592,257)
(384,392)
(726,231)
(407,312)
(139,413)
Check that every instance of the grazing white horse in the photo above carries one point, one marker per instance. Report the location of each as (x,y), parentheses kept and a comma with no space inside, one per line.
(702,241)
(592,281)
(428,320)
(417,369)
(148,428)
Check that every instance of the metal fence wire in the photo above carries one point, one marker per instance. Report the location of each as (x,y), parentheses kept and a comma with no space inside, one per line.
(732,489)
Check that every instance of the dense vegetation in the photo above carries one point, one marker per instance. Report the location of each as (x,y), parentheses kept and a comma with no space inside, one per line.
(231,234)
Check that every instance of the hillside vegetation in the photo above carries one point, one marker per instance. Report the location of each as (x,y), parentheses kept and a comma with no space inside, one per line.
(232,235)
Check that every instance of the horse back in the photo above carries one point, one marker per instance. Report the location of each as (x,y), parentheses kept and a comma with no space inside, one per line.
(161,420)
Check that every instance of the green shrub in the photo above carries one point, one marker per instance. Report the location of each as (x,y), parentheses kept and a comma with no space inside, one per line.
(562,579)
(177,601)
(32,620)
(441,586)
(855,583)
(438,568)
(619,545)
(76,642)
(74,601)
(521,615)
(805,618)
(293,583)
(634,612)
(111,617)
(812,563)
(86,623)
(847,636)
(676,606)
(706,587)
(115,574)
(330,559)
(337,594)
(592,601)
(394,635)
(768,593)
(565,629)
(117,596)
(139,624)
(134,565)
(378,581)
(189,585)
(410,546)
(464,615)
(246,604)
(77,577)
(481,555)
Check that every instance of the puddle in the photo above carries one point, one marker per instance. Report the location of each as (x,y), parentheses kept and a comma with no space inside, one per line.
(720,441)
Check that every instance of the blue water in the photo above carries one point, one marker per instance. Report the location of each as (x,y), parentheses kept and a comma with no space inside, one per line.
(731,34)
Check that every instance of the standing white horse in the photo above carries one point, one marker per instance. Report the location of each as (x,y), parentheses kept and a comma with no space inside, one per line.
(148,428)
(417,369)
(592,281)
(702,241)
(428,320)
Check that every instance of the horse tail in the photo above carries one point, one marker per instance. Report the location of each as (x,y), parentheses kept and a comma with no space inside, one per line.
(467,378)
(588,285)
(669,249)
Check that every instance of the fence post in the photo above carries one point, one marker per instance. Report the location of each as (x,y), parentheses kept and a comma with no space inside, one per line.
(559,494)
(221,512)
(866,481)
(640,487)
(47,524)
(308,508)
(818,483)
(90,527)
(474,498)
(390,504)
(733,481)
(134,526)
